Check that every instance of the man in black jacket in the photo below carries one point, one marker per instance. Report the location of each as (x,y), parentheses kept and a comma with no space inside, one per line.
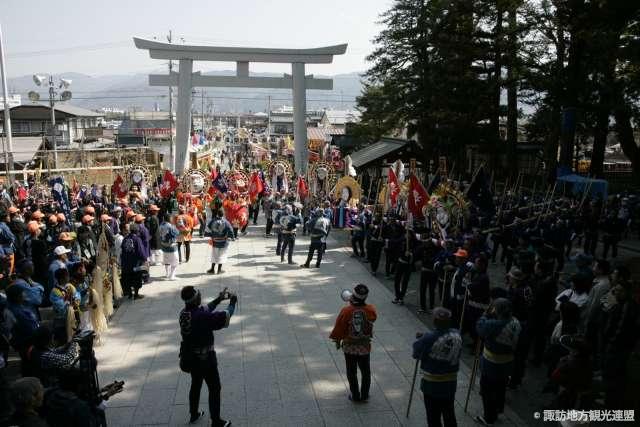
(153,225)
(18,228)
(197,323)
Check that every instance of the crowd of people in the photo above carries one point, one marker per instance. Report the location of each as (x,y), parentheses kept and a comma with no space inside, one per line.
(563,303)
(66,265)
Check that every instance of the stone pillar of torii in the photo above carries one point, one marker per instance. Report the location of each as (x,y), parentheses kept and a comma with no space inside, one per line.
(185,79)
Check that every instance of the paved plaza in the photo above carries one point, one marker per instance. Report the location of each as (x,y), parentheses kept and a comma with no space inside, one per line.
(277,365)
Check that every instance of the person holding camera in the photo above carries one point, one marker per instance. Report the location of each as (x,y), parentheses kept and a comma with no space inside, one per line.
(439,355)
(46,361)
(197,352)
(64,406)
(499,330)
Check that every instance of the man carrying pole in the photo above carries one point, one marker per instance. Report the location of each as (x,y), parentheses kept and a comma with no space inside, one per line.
(499,330)
(438,352)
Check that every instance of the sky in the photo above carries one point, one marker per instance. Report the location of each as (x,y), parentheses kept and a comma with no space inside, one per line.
(95,37)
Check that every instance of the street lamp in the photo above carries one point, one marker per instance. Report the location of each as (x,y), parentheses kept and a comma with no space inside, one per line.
(65,95)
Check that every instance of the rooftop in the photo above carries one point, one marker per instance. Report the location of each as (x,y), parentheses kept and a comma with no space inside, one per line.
(60,107)
(378,150)
(342,117)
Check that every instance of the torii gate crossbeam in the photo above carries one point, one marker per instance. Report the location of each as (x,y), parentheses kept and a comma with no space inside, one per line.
(186,79)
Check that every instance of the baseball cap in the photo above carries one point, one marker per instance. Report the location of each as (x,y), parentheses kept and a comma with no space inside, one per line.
(65,237)
(87,219)
(61,217)
(154,208)
(139,218)
(37,214)
(33,226)
(13,209)
(61,250)
(515,273)
(461,253)
(104,217)
(53,219)
(89,210)
(130,214)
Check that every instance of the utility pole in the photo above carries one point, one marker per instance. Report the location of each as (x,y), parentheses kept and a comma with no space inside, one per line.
(269,119)
(172,161)
(52,103)
(202,111)
(8,154)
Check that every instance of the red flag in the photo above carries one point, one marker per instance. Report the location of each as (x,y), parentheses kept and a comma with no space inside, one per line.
(394,188)
(119,188)
(22,194)
(418,197)
(169,184)
(255,186)
(303,190)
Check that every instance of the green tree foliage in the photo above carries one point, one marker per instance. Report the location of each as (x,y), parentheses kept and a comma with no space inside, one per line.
(445,67)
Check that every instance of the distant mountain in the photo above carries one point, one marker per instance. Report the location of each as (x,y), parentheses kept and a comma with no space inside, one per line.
(129,91)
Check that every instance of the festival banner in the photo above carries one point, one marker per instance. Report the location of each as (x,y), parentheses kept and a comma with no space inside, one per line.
(255,187)
(479,192)
(220,184)
(119,188)
(59,192)
(394,188)
(169,184)
(303,189)
(418,197)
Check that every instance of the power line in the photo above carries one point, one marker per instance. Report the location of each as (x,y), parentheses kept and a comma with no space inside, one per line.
(207,97)
(83,48)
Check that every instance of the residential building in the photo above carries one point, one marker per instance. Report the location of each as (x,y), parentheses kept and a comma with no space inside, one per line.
(31,127)
(281,120)
(339,118)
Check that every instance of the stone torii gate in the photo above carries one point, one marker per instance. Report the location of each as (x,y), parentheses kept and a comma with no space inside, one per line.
(185,79)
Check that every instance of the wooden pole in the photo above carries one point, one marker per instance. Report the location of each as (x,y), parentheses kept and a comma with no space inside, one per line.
(474,370)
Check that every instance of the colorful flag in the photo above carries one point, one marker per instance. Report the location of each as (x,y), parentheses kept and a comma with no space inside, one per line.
(394,188)
(255,186)
(213,174)
(59,192)
(119,188)
(303,190)
(220,184)
(418,197)
(169,184)
(479,192)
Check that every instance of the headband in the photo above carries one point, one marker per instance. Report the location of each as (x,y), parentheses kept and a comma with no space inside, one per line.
(193,298)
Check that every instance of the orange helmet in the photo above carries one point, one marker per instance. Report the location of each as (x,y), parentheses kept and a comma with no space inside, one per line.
(53,219)
(61,217)
(33,227)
